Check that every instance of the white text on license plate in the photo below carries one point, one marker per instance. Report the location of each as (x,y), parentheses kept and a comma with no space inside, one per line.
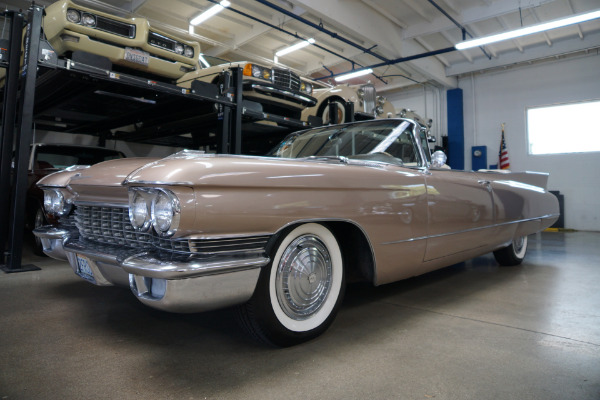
(136,56)
(84,270)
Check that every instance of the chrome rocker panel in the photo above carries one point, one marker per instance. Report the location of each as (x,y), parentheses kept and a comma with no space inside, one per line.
(194,285)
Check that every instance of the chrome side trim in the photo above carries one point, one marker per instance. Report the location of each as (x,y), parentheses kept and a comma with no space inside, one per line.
(164,183)
(472,229)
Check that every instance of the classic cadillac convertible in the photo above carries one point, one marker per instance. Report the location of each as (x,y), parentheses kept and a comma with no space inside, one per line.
(279,236)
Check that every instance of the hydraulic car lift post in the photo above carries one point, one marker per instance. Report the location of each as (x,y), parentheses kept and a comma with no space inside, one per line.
(24,137)
(9,113)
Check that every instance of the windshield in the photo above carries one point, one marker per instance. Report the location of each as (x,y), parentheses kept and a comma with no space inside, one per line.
(386,140)
(61,157)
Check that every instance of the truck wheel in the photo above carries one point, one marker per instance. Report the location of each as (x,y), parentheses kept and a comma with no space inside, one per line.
(513,254)
(300,291)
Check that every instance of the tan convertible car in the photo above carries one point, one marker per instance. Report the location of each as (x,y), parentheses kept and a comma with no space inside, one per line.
(279,236)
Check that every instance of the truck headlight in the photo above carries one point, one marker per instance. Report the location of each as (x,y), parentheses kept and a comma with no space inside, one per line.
(139,210)
(55,204)
(178,48)
(189,51)
(165,213)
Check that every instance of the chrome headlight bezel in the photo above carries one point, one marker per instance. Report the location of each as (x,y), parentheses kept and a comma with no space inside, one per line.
(381,100)
(139,206)
(73,16)
(55,203)
(166,212)
(88,20)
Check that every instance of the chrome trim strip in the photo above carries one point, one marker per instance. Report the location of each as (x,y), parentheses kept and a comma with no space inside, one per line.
(146,265)
(307,99)
(141,182)
(472,229)
(100,204)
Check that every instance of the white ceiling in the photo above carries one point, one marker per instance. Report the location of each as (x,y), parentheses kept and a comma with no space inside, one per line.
(388,29)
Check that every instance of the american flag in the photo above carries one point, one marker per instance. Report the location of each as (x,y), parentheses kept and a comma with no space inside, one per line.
(503,163)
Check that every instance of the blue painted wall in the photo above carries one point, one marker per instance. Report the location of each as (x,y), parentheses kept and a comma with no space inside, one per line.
(456,129)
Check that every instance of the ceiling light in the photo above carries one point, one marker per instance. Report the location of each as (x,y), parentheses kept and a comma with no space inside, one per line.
(214,10)
(295,47)
(353,74)
(528,30)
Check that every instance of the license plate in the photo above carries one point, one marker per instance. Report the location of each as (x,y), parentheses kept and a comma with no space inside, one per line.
(136,56)
(84,270)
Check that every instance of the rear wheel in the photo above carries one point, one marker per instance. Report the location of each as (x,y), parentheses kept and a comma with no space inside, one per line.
(513,254)
(300,291)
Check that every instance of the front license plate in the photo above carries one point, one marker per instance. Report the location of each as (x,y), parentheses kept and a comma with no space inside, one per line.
(84,270)
(136,56)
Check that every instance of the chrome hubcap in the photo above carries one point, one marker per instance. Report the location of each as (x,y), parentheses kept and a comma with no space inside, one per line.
(303,278)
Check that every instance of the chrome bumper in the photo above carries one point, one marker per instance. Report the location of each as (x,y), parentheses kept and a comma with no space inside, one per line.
(304,99)
(193,285)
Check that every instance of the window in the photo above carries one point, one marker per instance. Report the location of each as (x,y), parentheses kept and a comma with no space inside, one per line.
(564,128)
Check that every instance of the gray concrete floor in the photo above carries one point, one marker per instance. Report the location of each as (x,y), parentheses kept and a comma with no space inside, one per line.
(470,331)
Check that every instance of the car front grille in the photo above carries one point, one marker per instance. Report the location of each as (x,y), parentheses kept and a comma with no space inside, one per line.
(369,98)
(286,79)
(110,225)
(229,245)
(116,27)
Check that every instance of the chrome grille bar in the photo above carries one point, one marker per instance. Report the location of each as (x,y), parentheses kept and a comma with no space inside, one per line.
(369,98)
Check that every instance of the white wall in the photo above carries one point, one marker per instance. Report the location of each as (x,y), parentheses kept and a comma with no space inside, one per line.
(493,98)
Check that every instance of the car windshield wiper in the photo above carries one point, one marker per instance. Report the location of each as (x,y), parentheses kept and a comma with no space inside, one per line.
(340,159)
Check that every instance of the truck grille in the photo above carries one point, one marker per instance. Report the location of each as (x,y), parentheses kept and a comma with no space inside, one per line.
(369,98)
(116,27)
(286,79)
(110,225)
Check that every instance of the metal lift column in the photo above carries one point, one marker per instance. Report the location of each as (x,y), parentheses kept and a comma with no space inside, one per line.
(23,140)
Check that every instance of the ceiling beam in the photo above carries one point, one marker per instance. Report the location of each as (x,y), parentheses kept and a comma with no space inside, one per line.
(470,15)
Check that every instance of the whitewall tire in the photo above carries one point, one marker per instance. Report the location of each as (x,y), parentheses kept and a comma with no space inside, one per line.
(300,291)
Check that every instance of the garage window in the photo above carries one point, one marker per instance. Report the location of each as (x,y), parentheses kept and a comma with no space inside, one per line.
(564,128)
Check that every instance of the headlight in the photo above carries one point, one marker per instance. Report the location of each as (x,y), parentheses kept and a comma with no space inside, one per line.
(178,48)
(73,16)
(189,52)
(379,110)
(260,72)
(139,210)
(306,87)
(88,20)
(381,100)
(361,93)
(54,202)
(165,213)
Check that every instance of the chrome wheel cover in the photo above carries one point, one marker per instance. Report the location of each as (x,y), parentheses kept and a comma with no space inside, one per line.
(304,277)
(520,246)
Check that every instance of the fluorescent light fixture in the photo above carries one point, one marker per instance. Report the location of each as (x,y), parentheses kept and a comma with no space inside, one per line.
(214,10)
(353,74)
(295,47)
(576,19)
(203,61)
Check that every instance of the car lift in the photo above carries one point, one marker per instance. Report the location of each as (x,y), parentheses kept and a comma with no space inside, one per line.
(25,97)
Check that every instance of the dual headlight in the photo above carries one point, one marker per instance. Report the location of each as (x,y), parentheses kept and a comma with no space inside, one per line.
(159,208)
(82,18)
(55,202)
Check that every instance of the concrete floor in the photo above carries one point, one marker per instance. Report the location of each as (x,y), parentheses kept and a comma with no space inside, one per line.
(470,331)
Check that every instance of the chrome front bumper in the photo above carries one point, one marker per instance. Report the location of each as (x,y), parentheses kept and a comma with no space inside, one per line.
(194,285)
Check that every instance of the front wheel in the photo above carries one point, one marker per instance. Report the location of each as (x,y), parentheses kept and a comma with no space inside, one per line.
(300,291)
(512,254)
(340,109)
